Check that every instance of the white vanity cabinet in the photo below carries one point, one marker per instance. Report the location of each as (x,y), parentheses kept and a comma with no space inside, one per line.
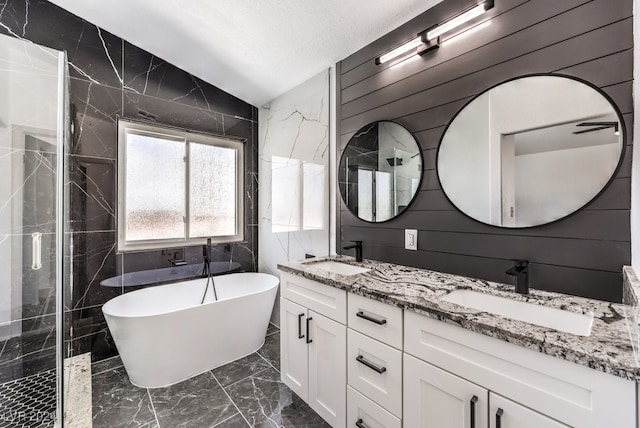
(543,390)
(313,345)
(434,398)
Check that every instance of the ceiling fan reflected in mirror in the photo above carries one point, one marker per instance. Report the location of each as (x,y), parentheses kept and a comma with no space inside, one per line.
(598,126)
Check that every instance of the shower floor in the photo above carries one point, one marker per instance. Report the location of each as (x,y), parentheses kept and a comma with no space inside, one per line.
(244,393)
(29,402)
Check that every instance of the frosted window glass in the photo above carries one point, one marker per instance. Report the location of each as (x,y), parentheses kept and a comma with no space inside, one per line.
(212,201)
(285,194)
(365,194)
(155,188)
(313,196)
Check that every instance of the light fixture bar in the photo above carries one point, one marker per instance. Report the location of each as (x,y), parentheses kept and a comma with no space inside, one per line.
(400,50)
(459,20)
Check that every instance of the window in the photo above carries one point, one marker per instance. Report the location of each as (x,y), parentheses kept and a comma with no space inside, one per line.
(177,187)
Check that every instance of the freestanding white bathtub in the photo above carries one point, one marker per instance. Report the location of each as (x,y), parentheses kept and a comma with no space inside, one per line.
(164,335)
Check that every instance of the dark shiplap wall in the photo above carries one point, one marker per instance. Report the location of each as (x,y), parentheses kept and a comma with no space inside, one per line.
(581,255)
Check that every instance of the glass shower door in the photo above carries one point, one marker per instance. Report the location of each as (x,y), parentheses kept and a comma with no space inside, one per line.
(32,100)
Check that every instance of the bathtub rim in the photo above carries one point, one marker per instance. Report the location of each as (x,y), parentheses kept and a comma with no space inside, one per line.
(275,279)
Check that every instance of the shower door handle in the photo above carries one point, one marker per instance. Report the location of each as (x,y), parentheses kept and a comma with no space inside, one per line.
(36,251)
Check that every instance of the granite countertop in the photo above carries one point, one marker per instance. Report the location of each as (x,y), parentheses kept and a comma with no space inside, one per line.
(609,348)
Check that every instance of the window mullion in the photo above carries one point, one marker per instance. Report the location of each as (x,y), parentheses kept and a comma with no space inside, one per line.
(187,171)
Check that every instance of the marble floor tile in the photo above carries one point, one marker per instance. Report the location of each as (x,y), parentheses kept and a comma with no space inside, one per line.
(240,369)
(117,403)
(271,350)
(77,391)
(272,329)
(267,402)
(105,365)
(198,402)
(236,421)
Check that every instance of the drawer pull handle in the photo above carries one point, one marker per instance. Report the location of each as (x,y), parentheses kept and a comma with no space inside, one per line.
(360,424)
(300,335)
(369,364)
(361,314)
(472,404)
(308,337)
(499,414)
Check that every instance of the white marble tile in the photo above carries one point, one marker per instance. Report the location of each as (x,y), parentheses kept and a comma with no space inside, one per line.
(294,176)
(77,391)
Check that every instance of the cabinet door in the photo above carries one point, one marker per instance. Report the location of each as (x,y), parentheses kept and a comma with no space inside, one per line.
(293,348)
(328,369)
(504,413)
(434,398)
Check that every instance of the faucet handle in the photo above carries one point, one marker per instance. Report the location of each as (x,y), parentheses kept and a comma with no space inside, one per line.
(521,262)
(357,242)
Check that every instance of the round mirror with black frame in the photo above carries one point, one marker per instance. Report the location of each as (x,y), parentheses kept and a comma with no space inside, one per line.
(380,171)
(531,150)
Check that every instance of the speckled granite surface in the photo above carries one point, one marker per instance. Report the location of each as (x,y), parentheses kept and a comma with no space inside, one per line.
(608,348)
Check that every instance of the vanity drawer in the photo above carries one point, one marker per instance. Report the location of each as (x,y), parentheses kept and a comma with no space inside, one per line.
(375,370)
(323,299)
(375,319)
(360,408)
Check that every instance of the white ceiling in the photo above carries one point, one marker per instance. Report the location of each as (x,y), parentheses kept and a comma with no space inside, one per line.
(255,50)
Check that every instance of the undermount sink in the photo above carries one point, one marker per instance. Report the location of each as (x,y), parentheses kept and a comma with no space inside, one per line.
(339,268)
(557,319)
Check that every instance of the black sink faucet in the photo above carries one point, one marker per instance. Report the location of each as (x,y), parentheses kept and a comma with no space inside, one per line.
(521,271)
(358,246)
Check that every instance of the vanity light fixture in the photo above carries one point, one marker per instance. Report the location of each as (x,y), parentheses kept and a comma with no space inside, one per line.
(429,39)
(464,17)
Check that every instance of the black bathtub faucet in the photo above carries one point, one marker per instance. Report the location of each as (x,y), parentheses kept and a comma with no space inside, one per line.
(521,271)
(358,246)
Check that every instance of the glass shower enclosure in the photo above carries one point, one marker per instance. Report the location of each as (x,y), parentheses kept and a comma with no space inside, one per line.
(33,118)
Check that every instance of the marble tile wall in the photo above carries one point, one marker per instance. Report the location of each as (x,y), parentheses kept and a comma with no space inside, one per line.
(294,176)
(110,77)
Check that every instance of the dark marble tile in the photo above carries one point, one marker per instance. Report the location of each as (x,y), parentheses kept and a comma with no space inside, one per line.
(93,193)
(27,364)
(196,402)
(271,349)
(99,343)
(236,421)
(172,113)
(267,402)
(105,365)
(93,260)
(272,329)
(118,403)
(147,74)
(30,179)
(87,321)
(93,54)
(95,110)
(239,369)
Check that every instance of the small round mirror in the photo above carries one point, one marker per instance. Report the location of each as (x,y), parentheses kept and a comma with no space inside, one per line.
(530,151)
(380,171)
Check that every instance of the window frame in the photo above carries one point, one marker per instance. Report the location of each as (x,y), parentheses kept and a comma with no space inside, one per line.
(135,126)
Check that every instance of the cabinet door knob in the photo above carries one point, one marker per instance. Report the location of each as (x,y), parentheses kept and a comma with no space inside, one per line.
(362,315)
(472,412)
(300,335)
(308,336)
(360,424)
(369,364)
(499,414)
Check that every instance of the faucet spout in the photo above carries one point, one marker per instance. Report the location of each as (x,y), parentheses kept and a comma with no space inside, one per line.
(521,272)
(358,246)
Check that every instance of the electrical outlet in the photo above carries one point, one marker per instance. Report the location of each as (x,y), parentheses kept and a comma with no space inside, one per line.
(411,239)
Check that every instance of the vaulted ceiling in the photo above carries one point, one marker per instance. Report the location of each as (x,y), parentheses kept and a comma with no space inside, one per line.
(255,50)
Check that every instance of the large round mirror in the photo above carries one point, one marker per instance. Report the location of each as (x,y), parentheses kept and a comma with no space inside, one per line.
(380,171)
(530,151)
